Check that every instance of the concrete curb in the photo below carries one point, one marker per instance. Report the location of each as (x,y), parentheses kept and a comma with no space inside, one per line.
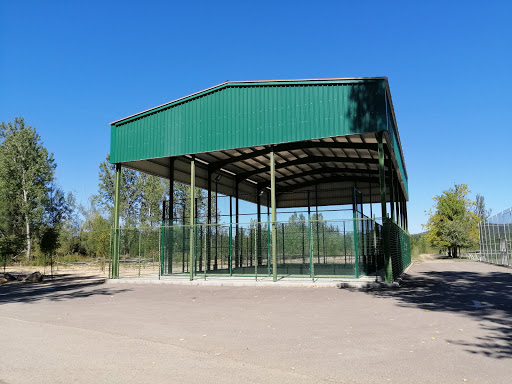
(230,283)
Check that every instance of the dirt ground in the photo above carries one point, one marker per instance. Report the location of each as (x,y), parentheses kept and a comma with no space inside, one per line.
(449,322)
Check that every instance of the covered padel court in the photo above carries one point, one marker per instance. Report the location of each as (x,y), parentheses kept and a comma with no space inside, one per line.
(301,178)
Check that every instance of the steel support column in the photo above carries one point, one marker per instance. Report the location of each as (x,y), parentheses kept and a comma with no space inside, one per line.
(238,261)
(170,209)
(192,216)
(385,224)
(397,198)
(391,189)
(209,221)
(274,213)
(258,229)
(115,251)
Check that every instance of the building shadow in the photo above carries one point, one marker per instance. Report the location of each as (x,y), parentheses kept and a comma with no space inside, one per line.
(62,287)
(484,297)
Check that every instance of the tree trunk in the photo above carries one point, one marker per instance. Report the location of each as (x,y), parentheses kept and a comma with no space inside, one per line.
(27,223)
(29,243)
(454,252)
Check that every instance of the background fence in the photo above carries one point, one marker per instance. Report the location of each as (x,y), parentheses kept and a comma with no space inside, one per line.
(309,248)
(496,239)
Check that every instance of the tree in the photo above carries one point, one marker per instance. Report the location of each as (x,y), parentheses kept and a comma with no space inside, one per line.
(141,197)
(25,176)
(129,194)
(58,209)
(479,208)
(152,191)
(453,224)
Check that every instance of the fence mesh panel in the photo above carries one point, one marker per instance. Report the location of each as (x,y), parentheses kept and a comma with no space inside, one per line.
(399,247)
(496,239)
(309,248)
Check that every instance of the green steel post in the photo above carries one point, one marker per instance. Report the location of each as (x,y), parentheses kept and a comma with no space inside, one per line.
(160,269)
(317,226)
(183,224)
(311,263)
(208,253)
(115,254)
(230,244)
(391,190)
(206,245)
(111,255)
(192,213)
(170,210)
(256,253)
(345,241)
(268,234)
(374,223)
(356,247)
(274,213)
(238,237)
(284,261)
(385,226)
(162,246)
(195,248)
(139,252)
(258,230)
(397,199)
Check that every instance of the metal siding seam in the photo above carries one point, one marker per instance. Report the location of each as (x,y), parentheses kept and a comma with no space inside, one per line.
(234,111)
(336,109)
(276,112)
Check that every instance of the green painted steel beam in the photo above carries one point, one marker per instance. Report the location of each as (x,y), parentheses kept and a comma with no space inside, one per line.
(356,246)
(291,147)
(171,213)
(323,180)
(385,222)
(308,160)
(117,202)
(274,215)
(391,191)
(329,170)
(382,177)
(192,217)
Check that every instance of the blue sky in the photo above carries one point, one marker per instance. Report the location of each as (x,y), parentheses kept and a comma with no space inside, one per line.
(72,67)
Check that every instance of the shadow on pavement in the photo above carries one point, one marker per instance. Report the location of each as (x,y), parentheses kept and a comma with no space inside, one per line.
(62,287)
(485,297)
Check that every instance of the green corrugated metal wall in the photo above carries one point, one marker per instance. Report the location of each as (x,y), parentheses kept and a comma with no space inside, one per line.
(237,115)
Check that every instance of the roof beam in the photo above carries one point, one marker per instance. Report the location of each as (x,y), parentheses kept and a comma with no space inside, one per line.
(319,171)
(290,147)
(325,180)
(307,160)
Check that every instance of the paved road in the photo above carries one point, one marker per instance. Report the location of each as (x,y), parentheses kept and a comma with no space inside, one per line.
(448,323)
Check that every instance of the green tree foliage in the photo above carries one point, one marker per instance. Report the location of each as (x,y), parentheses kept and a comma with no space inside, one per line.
(26,175)
(480,209)
(69,232)
(151,191)
(10,246)
(130,194)
(95,234)
(142,196)
(453,223)
(58,209)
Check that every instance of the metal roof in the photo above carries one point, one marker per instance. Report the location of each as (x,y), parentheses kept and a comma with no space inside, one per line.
(323,132)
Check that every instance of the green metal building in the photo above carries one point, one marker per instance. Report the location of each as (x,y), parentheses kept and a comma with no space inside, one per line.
(279,144)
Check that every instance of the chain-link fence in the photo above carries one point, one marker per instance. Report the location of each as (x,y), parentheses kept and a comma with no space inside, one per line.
(496,239)
(304,248)
(399,248)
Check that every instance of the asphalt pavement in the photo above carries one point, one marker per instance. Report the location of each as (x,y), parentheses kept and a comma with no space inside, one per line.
(449,322)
